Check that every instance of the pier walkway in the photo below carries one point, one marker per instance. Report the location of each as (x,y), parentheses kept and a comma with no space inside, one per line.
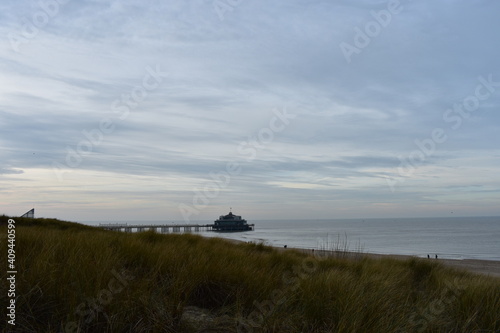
(162,228)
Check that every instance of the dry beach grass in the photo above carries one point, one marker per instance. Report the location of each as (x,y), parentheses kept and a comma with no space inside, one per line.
(75,278)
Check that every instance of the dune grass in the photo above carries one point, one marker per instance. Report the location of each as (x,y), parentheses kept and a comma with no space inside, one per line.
(76,278)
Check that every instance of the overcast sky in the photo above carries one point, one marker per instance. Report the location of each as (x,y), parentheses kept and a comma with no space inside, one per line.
(178,110)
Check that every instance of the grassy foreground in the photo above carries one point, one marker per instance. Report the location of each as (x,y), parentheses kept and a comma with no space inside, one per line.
(75,278)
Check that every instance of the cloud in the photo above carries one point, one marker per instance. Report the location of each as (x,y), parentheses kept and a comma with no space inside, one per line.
(10,171)
(353,121)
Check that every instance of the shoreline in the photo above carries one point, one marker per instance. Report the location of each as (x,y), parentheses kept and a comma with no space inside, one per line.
(477,266)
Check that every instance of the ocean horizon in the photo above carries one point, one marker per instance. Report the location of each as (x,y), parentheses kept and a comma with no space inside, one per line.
(446,237)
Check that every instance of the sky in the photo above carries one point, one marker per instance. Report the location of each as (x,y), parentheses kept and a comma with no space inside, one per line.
(305,109)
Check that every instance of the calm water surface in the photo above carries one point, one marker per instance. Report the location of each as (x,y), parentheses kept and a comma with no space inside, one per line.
(456,238)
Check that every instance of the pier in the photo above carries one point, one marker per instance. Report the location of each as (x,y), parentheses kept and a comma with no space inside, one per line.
(160,228)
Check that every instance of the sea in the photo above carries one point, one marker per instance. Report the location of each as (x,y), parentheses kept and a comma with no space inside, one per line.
(448,238)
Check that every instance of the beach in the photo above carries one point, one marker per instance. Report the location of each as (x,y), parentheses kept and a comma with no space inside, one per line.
(483,267)
(476,266)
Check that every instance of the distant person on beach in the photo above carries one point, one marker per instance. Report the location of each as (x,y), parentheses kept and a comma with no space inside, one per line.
(428,256)
(284,246)
(436,256)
